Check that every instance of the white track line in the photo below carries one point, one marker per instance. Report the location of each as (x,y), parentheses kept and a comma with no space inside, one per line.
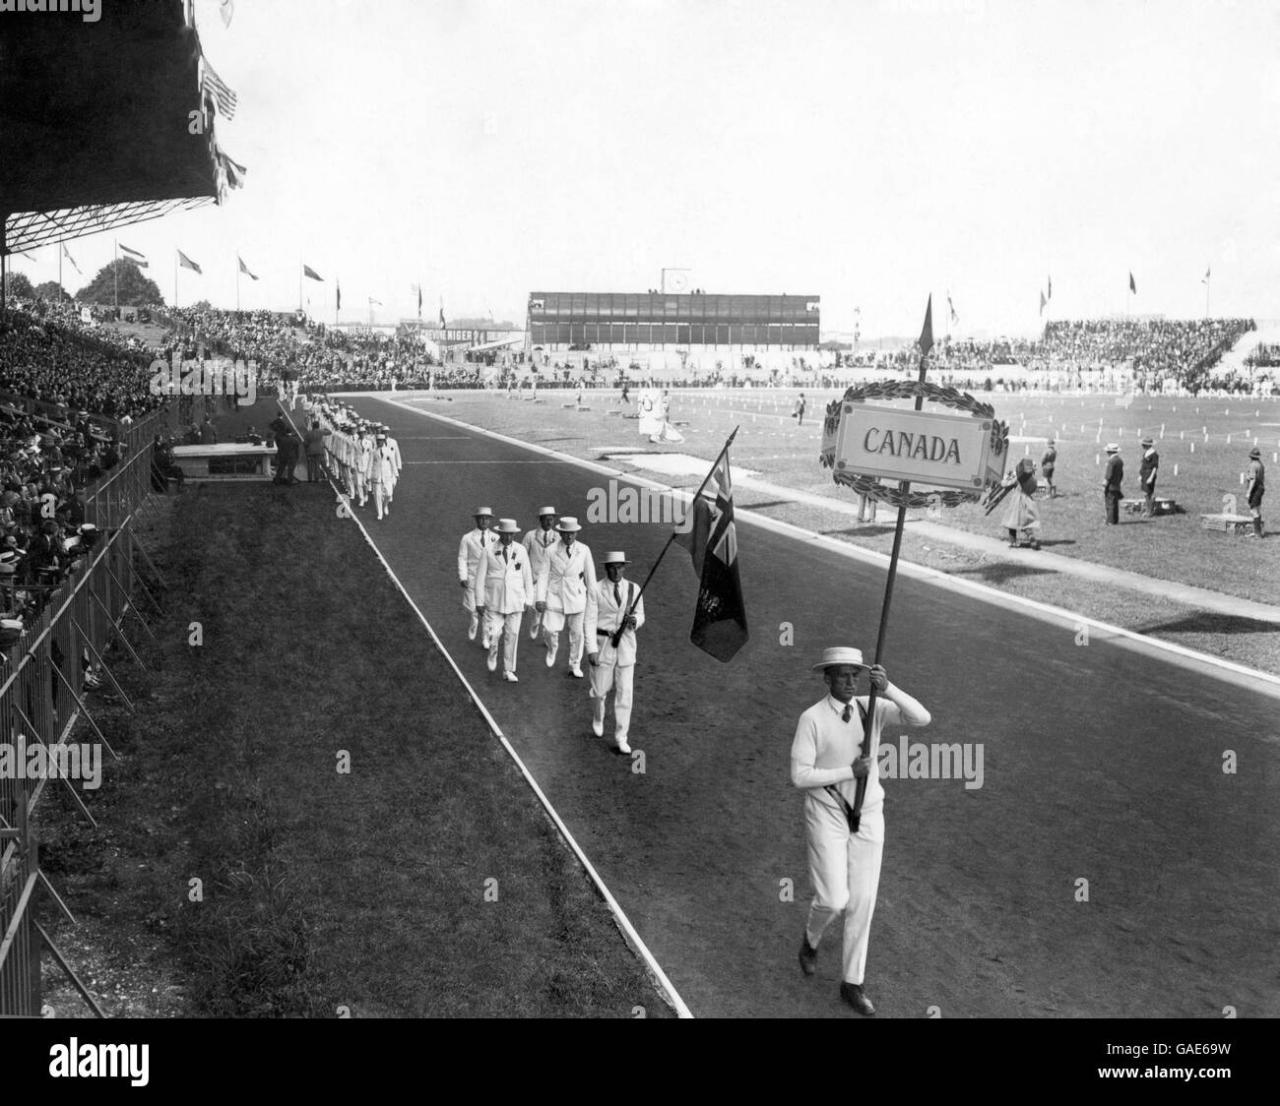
(1228,671)
(658,976)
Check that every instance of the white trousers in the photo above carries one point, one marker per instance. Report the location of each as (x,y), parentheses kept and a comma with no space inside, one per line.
(553,622)
(608,676)
(508,627)
(845,871)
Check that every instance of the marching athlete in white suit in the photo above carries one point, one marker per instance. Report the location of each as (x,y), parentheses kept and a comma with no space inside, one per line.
(539,542)
(473,545)
(566,577)
(503,588)
(382,474)
(613,669)
(826,763)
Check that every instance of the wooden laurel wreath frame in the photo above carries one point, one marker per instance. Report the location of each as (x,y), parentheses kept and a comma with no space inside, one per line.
(911,389)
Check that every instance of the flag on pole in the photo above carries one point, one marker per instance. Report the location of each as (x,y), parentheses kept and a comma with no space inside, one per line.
(720,618)
(137,258)
(226,9)
(337,303)
(187,263)
(67,254)
(443,324)
(308,271)
(1205,280)
(1043,301)
(1049,294)
(374,303)
(419,301)
(926,335)
(695,532)
(218,90)
(1132,286)
(951,307)
(245,268)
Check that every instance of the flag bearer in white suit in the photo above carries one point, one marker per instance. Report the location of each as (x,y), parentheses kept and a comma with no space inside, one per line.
(539,542)
(503,588)
(844,866)
(474,543)
(382,475)
(613,669)
(567,576)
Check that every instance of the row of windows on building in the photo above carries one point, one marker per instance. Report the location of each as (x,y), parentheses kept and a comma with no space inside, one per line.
(673,334)
(628,307)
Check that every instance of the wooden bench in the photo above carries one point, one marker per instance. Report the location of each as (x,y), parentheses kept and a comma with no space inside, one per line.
(1162,505)
(226,461)
(1230,524)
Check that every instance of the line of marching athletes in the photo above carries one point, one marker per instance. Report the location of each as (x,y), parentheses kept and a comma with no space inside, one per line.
(551,575)
(362,456)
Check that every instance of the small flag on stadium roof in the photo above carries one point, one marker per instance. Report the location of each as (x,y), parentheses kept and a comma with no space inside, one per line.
(720,618)
(952,308)
(926,335)
(1043,301)
(308,271)
(443,324)
(1132,286)
(1205,279)
(337,295)
(1049,294)
(245,268)
(374,303)
(226,9)
(67,254)
(218,90)
(187,263)
(139,259)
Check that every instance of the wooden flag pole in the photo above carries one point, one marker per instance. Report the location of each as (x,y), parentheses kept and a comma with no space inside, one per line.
(905,488)
(706,480)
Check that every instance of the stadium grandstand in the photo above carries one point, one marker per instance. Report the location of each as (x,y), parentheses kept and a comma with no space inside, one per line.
(659,321)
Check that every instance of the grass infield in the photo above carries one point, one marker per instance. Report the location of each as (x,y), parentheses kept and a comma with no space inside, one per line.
(424,881)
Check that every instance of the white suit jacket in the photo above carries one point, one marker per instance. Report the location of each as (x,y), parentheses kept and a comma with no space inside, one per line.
(605,613)
(539,543)
(504,586)
(566,578)
(473,543)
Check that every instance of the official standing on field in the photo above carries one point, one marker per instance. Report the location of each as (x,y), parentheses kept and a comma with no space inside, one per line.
(1148,470)
(613,668)
(503,588)
(473,545)
(538,542)
(567,575)
(1257,486)
(1112,476)
(826,763)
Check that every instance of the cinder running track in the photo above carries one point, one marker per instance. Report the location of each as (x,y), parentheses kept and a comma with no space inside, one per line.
(1099,764)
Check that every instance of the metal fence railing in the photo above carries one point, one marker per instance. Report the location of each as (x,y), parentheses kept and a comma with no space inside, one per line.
(42,699)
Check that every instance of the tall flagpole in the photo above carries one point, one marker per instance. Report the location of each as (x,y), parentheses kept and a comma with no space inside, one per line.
(1208,276)
(175,278)
(237,284)
(115,274)
(904,488)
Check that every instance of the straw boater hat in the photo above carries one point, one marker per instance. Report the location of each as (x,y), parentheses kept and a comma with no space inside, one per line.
(1112,447)
(1255,452)
(508,526)
(838,655)
(484,512)
(1148,441)
(618,558)
(543,512)
(568,525)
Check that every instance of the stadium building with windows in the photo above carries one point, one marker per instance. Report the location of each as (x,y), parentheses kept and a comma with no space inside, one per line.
(664,321)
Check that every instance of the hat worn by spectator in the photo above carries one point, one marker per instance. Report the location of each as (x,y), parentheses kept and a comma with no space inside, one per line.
(484,512)
(543,512)
(1148,441)
(838,655)
(508,526)
(1112,447)
(568,525)
(617,558)
(1255,452)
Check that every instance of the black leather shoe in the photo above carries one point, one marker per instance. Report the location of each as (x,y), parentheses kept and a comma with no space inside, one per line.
(808,956)
(852,994)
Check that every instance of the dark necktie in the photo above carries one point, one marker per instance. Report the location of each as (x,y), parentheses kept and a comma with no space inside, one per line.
(847,713)
(617,595)
(504,553)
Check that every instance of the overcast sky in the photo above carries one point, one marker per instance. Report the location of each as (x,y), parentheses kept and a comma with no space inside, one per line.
(866,151)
